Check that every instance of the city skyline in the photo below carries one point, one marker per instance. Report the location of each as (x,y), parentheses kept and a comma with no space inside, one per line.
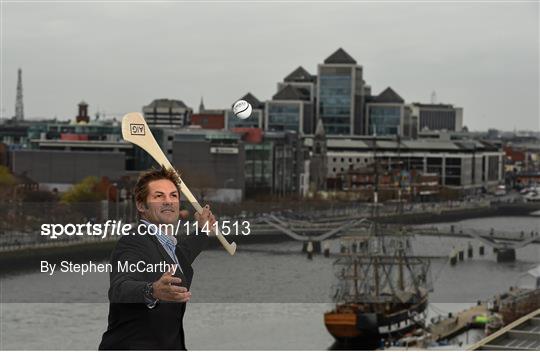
(142,60)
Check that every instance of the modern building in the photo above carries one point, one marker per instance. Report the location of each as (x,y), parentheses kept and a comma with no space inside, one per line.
(103,136)
(256,119)
(274,162)
(438,116)
(385,114)
(211,163)
(462,165)
(290,109)
(300,78)
(410,123)
(62,168)
(167,113)
(14,133)
(287,162)
(341,95)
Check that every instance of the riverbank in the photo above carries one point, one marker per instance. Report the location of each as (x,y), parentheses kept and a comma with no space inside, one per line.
(25,258)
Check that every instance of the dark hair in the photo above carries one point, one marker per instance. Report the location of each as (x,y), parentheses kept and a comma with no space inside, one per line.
(141,188)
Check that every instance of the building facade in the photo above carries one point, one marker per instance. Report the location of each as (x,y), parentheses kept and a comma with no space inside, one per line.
(464,165)
(290,109)
(385,114)
(211,163)
(256,120)
(340,95)
(438,117)
(167,113)
(62,168)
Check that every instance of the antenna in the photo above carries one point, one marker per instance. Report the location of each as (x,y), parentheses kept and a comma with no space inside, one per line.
(19,107)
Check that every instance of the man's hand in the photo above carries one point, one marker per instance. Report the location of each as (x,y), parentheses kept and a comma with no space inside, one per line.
(166,289)
(206,218)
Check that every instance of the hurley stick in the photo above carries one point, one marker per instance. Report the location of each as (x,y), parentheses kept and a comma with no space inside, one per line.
(136,131)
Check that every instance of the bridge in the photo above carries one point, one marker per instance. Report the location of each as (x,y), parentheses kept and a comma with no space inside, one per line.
(315,231)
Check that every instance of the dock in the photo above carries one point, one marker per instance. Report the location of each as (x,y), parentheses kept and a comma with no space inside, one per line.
(456,324)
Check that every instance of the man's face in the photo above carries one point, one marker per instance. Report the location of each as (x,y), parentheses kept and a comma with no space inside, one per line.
(162,204)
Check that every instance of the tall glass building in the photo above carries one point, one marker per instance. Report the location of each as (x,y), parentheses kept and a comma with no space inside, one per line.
(340,95)
(384,113)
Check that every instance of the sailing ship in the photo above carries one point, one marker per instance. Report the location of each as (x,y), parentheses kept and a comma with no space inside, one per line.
(382,288)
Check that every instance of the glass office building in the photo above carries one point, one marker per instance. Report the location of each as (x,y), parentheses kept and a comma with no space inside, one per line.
(335,100)
(284,116)
(384,120)
(255,120)
(340,95)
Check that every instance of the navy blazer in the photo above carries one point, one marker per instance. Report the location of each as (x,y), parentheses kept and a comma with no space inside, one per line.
(131,324)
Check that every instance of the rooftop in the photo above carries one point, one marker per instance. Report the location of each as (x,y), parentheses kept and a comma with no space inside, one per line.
(340,56)
(166,103)
(300,74)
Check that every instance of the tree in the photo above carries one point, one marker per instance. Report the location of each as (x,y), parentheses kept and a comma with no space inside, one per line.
(7,182)
(84,191)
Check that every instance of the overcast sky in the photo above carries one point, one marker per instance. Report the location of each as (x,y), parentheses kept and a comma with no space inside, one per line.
(118,57)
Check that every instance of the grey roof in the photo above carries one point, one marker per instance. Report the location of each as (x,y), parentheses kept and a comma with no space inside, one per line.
(340,56)
(471,144)
(440,106)
(429,145)
(388,96)
(417,145)
(299,75)
(166,103)
(291,93)
(250,98)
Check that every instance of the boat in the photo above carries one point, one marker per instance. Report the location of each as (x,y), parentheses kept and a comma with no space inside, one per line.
(381,291)
(533,195)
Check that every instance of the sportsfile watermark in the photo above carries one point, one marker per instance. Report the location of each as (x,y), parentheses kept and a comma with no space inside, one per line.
(118,228)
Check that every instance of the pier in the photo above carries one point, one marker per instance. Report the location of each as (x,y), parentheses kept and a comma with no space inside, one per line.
(456,324)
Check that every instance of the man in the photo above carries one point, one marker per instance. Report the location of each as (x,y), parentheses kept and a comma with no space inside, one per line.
(146,308)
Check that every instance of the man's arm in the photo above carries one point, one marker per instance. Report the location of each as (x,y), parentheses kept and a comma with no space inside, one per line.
(128,286)
(191,245)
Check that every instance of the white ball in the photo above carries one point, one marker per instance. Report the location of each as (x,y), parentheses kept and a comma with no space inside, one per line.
(242,109)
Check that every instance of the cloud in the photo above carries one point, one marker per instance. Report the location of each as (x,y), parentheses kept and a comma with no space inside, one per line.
(120,56)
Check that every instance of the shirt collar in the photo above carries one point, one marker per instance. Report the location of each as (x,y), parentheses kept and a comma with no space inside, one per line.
(168,239)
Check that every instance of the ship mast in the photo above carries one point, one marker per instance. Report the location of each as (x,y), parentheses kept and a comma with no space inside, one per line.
(376,274)
(356,293)
(401,283)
